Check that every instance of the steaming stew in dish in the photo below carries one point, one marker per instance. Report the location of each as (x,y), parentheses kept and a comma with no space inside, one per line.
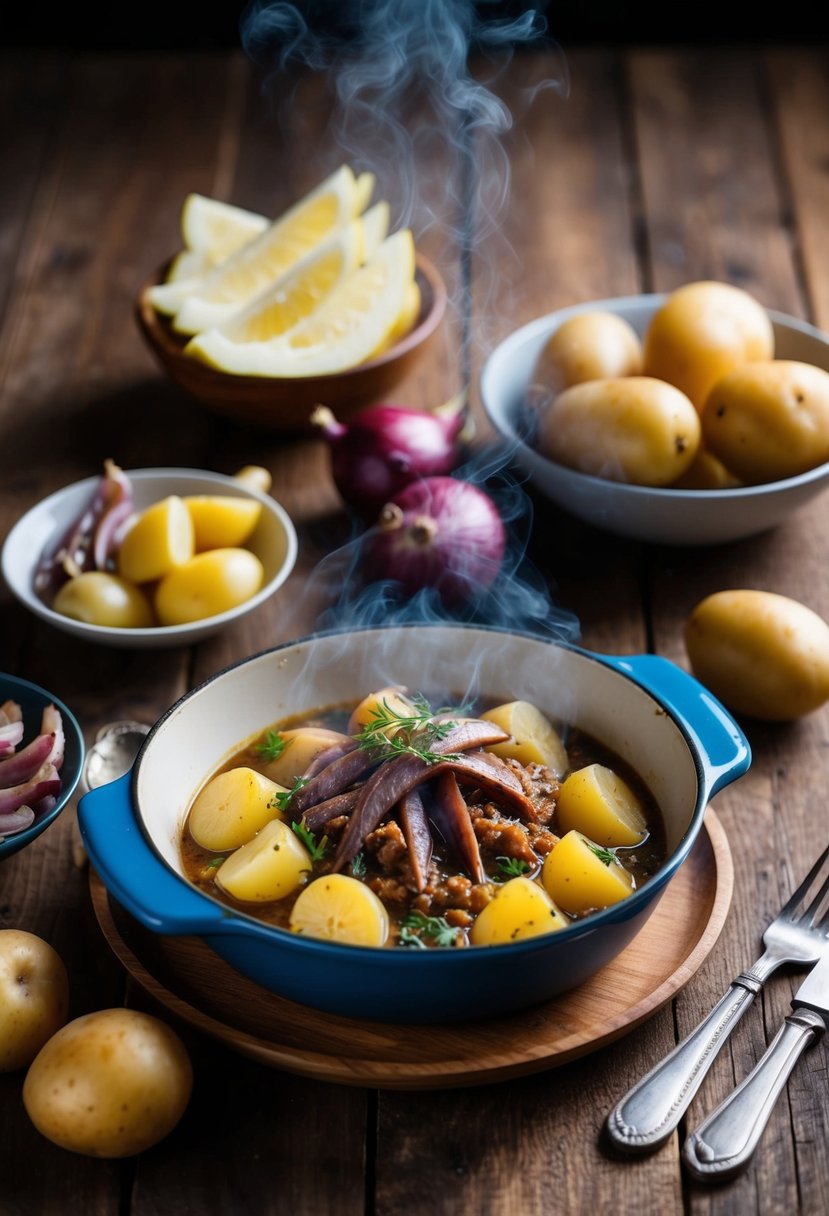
(403,822)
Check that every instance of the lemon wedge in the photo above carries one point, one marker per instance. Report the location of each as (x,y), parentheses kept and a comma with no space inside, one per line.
(352,322)
(211,231)
(239,278)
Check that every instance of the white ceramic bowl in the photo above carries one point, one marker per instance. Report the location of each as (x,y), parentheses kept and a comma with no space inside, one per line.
(274,542)
(661,516)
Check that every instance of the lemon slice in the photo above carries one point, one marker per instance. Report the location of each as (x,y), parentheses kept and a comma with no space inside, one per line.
(354,320)
(239,278)
(339,908)
(211,231)
(363,188)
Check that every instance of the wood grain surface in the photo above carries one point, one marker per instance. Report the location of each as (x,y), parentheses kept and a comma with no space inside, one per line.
(619,170)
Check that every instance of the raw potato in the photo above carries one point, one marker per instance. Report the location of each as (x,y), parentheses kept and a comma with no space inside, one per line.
(221,521)
(582,877)
(109,1084)
(232,808)
(302,745)
(160,540)
(588,346)
(769,420)
(520,908)
(634,429)
(534,740)
(706,472)
(701,332)
(208,584)
(268,867)
(596,801)
(339,908)
(392,698)
(762,654)
(34,996)
(97,598)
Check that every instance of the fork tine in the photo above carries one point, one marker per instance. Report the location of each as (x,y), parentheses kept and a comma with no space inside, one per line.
(801,891)
(814,906)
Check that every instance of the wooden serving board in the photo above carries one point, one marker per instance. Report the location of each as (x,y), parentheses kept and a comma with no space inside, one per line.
(189,979)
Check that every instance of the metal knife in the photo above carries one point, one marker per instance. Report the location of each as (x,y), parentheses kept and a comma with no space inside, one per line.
(725,1141)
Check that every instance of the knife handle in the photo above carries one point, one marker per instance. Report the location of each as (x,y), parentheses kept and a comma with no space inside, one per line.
(724,1142)
(649,1112)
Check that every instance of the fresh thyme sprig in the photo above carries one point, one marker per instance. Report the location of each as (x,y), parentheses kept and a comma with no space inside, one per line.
(512,867)
(317,848)
(282,798)
(272,746)
(417,926)
(604,855)
(391,733)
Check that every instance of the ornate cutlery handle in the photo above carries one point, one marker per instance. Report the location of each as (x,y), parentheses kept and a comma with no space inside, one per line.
(652,1109)
(723,1143)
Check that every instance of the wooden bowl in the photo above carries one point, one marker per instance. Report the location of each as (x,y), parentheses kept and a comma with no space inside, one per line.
(284,404)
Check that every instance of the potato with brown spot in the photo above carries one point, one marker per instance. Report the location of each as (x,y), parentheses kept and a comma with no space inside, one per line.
(109,1084)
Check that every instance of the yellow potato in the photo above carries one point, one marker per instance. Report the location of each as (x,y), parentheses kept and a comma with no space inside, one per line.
(208,584)
(270,866)
(762,654)
(97,598)
(702,331)
(596,801)
(109,1084)
(706,472)
(221,521)
(391,699)
(520,908)
(232,808)
(302,745)
(533,740)
(633,429)
(768,420)
(588,346)
(339,908)
(583,877)
(160,540)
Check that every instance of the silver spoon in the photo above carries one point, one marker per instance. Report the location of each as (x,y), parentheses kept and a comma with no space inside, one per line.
(110,756)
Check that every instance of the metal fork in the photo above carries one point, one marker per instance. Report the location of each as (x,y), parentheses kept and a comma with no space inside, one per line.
(649,1112)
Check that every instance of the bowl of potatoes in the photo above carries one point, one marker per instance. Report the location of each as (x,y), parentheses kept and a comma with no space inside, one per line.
(231,828)
(690,418)
(149,558)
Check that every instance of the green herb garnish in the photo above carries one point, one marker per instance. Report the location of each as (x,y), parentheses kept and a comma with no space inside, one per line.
(316,848)
(391,733)
(214,863)
(512,867)
(604,855)
(282,798)
(416,926)
(358,865)
(272,746)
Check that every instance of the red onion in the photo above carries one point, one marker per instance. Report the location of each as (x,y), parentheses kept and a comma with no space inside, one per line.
(439,532)
(386,447)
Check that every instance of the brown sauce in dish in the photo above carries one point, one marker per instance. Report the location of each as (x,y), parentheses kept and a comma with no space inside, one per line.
(507,844)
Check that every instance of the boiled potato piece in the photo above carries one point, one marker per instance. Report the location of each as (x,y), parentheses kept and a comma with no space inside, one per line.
(391,699)
(232,808)
(208,584)
(596,801)
(520,908)
(221,521)
(268,867)
(534,740)
(583,877)
(702,331)
(635,429)
(109,1084)
(97,598)
(706,472)
(339,908)
(160,540)
(302,745)
(762,654)
(768,420)
(589,346)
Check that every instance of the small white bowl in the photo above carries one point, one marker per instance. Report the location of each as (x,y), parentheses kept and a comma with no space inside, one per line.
(661,516)
(273,541)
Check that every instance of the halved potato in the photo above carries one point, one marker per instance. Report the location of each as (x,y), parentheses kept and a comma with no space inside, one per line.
(596,801)
(232,808)
(583,877)
(392,700)
(534,739)
(270,866)
(301,747)
(520,908)
(221,521)
(339,908)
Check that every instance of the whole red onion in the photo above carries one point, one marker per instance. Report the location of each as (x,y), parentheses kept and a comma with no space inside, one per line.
(385,447)
(440,532)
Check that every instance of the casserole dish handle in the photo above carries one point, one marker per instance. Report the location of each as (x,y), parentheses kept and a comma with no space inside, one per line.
(722,747)
(128,865)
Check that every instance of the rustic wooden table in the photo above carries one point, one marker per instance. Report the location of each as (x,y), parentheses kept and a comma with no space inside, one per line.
(654,168)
